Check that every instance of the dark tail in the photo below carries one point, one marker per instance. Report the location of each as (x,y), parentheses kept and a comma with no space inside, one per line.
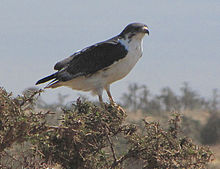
(53,76)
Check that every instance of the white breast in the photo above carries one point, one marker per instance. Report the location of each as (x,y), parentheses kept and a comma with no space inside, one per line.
(121,68)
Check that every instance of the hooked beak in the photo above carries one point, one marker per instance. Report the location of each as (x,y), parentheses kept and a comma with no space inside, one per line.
(145,30)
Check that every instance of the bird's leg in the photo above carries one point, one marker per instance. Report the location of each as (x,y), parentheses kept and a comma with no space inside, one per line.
(107,88)
(101,101)
(112,101)
(110,97)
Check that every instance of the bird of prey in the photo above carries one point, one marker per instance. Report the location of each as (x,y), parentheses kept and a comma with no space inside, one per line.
(94,68)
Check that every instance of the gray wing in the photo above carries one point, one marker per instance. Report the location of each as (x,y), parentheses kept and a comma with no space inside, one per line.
(63,63)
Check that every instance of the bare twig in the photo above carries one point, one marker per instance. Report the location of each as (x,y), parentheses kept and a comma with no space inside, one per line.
(111,144)
(30,98)
(123,158)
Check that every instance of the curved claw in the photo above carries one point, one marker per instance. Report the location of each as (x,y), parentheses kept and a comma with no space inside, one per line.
(119,108)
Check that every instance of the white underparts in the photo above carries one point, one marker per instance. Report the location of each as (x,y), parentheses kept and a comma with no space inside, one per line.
(119,69)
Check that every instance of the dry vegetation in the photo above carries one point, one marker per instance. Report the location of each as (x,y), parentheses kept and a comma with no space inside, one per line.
(83,135)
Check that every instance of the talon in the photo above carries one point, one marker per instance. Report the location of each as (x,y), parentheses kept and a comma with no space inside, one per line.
(119,108)
(112,101)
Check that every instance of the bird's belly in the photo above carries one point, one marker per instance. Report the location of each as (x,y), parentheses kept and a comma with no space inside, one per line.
(108,75)
(120,69)
(104,77)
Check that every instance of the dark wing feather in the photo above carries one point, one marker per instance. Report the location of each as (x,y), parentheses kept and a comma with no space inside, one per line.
(63,63)
(93,59)
(87,61)
(45,79)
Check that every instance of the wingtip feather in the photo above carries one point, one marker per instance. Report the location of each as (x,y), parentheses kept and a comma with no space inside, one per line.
(45,79)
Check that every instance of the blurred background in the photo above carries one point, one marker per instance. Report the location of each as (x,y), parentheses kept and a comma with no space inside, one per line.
(183,45)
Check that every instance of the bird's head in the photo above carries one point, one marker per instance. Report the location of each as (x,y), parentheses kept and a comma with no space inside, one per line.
(134,30)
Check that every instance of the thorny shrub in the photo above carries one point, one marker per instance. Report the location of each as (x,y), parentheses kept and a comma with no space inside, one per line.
(87,137)
(18,124)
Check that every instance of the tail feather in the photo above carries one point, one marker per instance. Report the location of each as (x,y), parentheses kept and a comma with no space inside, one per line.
(50,77)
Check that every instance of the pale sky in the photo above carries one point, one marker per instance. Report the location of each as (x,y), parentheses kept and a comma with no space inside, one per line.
(183,46)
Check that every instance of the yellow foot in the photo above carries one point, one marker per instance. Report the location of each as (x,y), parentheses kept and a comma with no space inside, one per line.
(119,108)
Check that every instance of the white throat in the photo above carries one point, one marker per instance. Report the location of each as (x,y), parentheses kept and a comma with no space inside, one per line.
(134,45)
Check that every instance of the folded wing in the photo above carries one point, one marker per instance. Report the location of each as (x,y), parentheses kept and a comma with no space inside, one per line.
(87,61)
